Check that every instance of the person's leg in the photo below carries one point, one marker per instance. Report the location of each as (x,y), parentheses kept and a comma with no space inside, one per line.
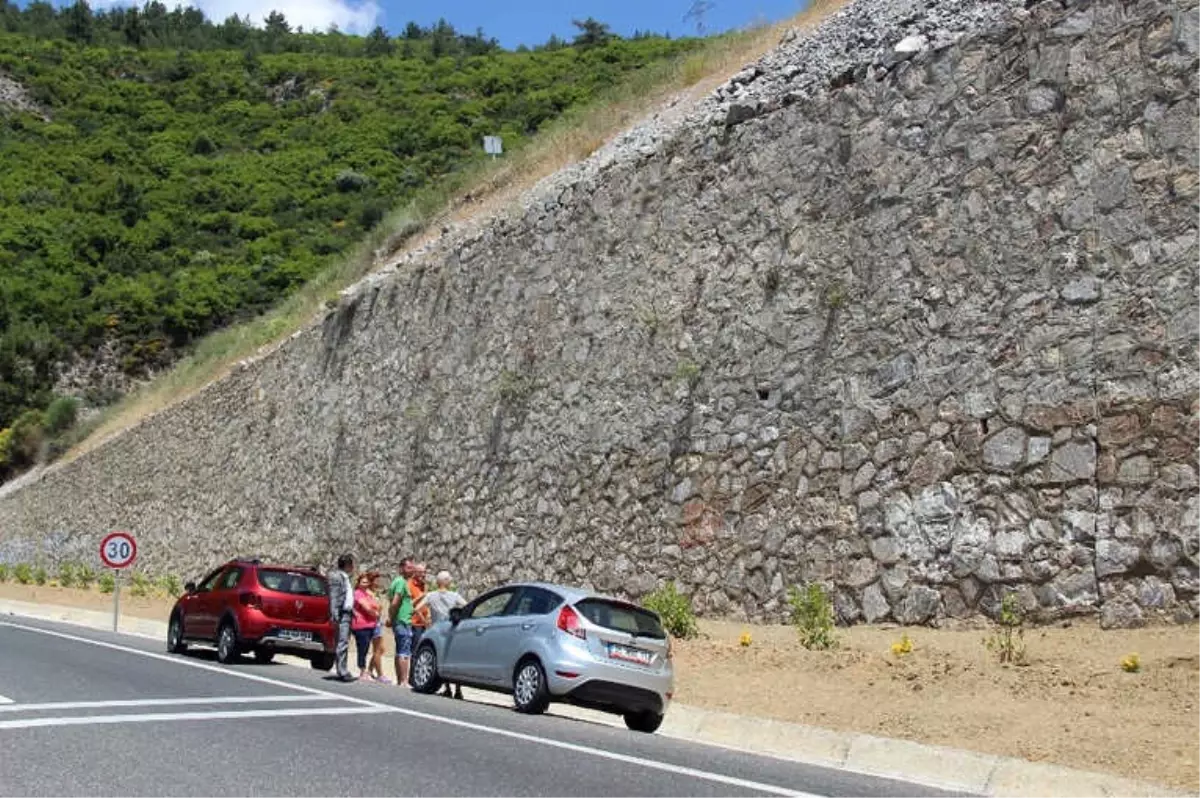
(343,646)
(417,633)
(376,668)
(403,652)
(362,646)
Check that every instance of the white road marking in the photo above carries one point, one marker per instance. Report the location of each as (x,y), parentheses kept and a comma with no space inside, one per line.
(97,720)
(4,700)
(190,663)
(157,702)
(651,764)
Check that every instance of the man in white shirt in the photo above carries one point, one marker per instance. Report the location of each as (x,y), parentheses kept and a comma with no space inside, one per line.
(341,611)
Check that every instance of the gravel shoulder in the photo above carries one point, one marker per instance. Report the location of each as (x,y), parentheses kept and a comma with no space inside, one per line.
(1071,705)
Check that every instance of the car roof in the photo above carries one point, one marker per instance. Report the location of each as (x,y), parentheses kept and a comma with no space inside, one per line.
(571,594)
(278,566)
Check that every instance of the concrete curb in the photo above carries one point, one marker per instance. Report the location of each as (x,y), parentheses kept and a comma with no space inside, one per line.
(934,766)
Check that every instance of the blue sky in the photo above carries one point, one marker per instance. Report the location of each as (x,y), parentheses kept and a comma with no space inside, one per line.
(513,22)
(516,22)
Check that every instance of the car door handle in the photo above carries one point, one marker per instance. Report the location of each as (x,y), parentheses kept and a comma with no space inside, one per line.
(527,626)
(480,630)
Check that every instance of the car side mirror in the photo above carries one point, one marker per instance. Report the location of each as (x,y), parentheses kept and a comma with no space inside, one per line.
(456,615)
(190,587)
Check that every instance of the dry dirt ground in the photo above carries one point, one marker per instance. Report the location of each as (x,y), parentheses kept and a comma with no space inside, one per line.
(1072,704)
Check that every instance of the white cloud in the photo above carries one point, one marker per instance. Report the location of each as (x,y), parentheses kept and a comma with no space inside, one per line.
(350,16)
(309,14)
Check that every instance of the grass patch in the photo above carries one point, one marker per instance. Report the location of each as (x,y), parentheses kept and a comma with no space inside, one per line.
(478,189)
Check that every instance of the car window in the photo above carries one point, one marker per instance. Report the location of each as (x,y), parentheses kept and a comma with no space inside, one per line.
(490,606)
(294,582)
(621,617)
(232,577)
(210,581)
(535,601)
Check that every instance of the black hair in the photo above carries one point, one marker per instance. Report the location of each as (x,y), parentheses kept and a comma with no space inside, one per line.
(346,561)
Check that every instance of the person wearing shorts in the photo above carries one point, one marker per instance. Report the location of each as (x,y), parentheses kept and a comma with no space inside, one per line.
(400,612)
(376,666)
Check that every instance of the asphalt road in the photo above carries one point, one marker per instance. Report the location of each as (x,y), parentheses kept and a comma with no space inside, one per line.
(84,712)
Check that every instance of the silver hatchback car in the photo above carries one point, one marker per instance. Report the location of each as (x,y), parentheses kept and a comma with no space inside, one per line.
(545,643)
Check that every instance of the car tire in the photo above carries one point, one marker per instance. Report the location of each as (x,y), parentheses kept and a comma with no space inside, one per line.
(424,675)
(322,662)
(263,656)
(531,694)
(175,643)
(647,721)
(227,645)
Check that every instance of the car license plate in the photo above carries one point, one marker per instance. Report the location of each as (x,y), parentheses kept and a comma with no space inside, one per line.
(637,656)
(294,634)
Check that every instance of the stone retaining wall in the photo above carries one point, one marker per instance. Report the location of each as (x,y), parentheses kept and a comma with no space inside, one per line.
(927,335)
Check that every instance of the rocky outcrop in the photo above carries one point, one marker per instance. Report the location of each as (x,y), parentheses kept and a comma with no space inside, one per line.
(908,308)
(14,97)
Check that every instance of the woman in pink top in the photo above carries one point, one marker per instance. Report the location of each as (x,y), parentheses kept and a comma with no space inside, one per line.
(364,621)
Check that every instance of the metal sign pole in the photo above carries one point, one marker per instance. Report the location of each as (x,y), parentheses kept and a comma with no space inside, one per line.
(116,596)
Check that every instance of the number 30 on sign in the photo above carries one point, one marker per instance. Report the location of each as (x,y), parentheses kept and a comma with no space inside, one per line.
(118,550)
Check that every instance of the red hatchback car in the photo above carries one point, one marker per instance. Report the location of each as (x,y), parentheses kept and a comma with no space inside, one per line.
(247,606)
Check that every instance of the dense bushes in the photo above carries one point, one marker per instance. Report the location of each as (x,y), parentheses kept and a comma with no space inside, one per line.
(171,192)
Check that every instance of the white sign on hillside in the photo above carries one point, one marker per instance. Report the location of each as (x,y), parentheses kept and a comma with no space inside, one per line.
(493,146)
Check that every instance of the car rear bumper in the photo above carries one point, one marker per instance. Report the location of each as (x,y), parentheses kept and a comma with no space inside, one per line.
(274,641)
(255,628)
(610,688)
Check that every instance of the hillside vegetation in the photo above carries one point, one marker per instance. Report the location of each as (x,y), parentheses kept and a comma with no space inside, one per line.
(165,177)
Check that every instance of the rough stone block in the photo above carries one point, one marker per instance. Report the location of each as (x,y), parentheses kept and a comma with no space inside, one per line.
(1006,449)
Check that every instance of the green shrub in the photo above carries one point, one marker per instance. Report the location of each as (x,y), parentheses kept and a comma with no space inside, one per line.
(675,609)
(61,414)
(5,572)
(85,576)
(67,575)
(170,585)
(140,585)
(23,573)
(40,576)
(107,582)
(812,615)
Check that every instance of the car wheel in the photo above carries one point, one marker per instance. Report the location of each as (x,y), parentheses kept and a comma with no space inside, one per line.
(530,691)
(646,721)
(322,662)
(227,648)
(263,656)
(424,676)
(175,642)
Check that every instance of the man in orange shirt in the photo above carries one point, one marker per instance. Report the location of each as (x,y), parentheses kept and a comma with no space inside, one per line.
(420,620)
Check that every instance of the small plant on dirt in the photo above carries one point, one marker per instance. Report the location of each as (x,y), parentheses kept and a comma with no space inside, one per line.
(23,573)
(107,582)
(812,615)
(5,572)
(40,576)
(1009,640)
(67,575)
(170,585)
(675,609)
(140,585)
(903,646)
(744,641)
(85,576)
(1130,663)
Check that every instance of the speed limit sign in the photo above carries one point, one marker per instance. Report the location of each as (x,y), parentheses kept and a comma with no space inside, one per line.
(118,550)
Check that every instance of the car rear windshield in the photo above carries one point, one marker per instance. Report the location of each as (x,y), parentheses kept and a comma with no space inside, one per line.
(294,582)
(621,617)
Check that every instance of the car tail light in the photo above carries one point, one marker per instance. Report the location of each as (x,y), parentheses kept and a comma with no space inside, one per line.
(251,600)
(568,621)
